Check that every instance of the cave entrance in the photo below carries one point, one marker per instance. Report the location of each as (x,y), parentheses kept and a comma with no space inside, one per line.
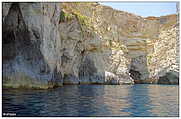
(136,75)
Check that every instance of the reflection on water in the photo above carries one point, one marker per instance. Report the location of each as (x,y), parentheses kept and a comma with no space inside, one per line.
(139,100)
(94,100)
(164,100)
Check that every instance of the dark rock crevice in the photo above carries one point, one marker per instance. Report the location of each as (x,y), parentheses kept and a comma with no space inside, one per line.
(139,69)
(169,78)
(87,68)
(136,75)
(10,27)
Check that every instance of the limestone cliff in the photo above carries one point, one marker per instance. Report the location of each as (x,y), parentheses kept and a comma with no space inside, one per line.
(50,44)
(31,45)
(143,41)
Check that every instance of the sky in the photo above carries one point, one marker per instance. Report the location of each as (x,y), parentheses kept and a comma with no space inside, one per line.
(144,9)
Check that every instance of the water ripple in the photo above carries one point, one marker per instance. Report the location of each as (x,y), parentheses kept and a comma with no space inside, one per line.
(94,100)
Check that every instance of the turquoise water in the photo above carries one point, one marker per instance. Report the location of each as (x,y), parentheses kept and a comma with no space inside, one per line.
(94,100)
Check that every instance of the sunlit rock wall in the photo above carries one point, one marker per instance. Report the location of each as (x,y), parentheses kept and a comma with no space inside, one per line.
(49,44)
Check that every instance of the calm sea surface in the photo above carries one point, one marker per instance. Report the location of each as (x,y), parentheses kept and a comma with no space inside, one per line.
(94,100)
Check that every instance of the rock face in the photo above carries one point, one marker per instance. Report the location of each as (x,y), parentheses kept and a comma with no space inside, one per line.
(31,45)
(51,44)
(136,46)
(164,61)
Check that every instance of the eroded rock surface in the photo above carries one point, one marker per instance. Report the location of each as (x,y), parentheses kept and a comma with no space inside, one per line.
(51,44)
(31,45)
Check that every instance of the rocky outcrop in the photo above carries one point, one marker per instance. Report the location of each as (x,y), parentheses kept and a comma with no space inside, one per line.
(164,61)
(31,45)
(51,44)
(141,41)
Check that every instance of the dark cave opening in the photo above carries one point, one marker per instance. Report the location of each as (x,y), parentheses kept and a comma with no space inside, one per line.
(136,75)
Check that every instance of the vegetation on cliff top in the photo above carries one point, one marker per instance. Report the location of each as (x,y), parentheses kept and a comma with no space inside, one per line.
(65,16)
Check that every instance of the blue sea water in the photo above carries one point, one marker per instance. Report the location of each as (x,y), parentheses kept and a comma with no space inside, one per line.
(137,100)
